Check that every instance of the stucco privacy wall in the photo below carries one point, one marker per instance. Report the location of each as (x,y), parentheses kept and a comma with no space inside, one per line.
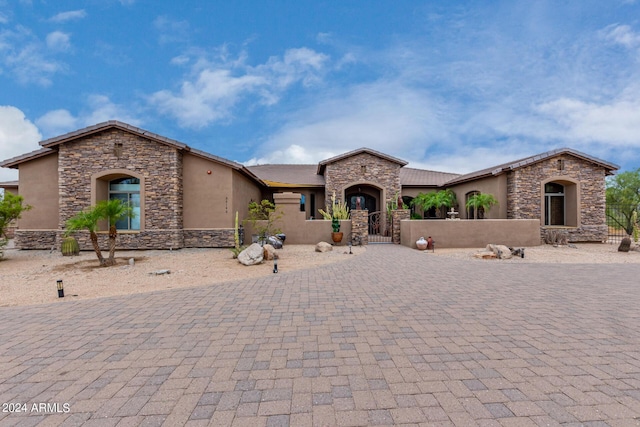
(363,168)
(526,194)
(471,233)
(298,229)
(158,165)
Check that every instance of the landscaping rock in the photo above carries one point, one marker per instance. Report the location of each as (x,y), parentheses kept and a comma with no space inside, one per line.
(485,255)
(269,252)
(501,251)
(253,255)
(275,242)
(323,247)
(625,245)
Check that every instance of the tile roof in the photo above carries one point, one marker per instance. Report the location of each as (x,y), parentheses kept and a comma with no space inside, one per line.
(288,175)
(424,178)
(505,167)
(15,161)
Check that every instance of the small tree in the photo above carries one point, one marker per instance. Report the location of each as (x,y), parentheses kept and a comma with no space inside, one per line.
(111,210)
(11,208)
(481,202)
(87,220)
(263,217)
(441,200)
(623,200)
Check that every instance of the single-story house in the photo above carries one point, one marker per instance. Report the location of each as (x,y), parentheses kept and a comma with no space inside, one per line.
(184,197)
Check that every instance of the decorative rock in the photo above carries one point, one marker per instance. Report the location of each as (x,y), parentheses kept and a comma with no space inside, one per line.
(269,252)
(253,255)
(275,242)
(160,272)
(485,255)
(132,261)
(501,251)
(323,247)
(625,245)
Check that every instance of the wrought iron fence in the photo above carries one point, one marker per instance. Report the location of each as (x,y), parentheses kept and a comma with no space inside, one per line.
(621,220)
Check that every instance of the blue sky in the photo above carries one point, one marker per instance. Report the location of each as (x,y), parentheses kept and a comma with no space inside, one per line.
(453,86)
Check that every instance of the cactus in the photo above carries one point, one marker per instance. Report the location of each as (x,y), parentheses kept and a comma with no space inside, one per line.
(634,220)
(70,246)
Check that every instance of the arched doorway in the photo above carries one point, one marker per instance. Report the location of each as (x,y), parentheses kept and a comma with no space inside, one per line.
(367,197)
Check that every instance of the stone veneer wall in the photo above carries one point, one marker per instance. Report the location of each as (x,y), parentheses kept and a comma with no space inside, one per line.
(37,239)
(360,226)
(346,172)
(524,189)
(159,164)
(213,238)
(397,216)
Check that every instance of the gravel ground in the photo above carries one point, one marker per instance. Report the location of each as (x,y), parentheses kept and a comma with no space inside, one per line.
(29,277)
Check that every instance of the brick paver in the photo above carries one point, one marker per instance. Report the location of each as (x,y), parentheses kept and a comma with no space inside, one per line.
(393,336)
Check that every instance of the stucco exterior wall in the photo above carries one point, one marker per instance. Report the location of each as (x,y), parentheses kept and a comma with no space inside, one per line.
(298,229)
(208,197)
(471,233)
(39,187)
(496,185)
(244,191)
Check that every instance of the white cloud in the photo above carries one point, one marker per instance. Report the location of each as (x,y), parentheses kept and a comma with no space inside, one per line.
(17,136)
(385,116)
(171,30)
(58,41)
(99,109)
(213,90)
(27,58)
(69,16)
(57,122)
(622,34)
(615,123)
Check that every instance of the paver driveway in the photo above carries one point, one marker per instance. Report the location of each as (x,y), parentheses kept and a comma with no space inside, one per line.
(390,337)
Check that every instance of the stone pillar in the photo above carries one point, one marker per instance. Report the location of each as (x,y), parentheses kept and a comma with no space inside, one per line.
(397,216)
(360,227)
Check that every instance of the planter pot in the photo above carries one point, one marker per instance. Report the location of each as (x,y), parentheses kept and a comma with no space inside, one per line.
(336,237)
(421,244)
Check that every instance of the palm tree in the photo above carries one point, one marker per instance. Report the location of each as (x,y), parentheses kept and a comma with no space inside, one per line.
(481,202)
(87,220)
(113,210)
(442,200)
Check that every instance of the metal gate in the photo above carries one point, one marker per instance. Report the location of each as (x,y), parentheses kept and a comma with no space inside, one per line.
(379,230)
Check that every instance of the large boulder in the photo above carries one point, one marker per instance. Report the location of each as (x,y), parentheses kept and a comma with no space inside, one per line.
(269,252)
(501,251)
(625,245)
(323,247)
(253,255)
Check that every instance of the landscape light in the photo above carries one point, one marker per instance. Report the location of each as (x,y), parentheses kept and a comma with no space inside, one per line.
(60,289)
(275,263)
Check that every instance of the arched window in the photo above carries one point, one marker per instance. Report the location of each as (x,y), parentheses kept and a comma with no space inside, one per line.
(554,204)
(471,211)
(128,191)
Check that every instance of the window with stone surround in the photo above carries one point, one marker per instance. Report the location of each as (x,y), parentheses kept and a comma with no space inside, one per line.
(127,190)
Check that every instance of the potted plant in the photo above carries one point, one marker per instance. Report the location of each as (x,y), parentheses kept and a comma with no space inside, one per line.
(337,211)
(481,202)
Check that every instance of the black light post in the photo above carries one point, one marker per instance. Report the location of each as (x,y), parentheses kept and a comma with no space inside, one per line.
(350,253)
(60,289)
(275,263)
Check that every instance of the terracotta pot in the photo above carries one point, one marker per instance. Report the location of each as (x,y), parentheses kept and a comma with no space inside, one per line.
(336,236)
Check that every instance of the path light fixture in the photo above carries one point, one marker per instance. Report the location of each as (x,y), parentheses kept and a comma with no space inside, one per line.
(60,289)
(350,253)
(275,263)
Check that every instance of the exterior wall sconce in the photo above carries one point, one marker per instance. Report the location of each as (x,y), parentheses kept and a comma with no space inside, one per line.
(208,172)
(60,289)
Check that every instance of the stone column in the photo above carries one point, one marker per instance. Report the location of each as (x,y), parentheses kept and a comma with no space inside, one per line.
(360,226)
(397,216)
